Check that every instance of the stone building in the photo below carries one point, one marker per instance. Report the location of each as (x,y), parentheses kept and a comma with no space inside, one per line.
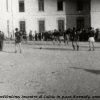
(42,15)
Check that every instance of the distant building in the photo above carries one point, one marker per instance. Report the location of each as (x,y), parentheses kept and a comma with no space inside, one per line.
(35,15)
(41,15)
(78,13)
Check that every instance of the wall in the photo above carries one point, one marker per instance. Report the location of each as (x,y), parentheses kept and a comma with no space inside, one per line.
(4,16)
(95,13)
(32,15)
(72,14)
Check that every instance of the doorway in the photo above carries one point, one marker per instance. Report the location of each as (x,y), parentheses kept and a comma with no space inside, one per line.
(80,22)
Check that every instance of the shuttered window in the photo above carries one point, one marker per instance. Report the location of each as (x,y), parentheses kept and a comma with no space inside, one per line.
(41,26)
(22,26)
(21,6)
(79,5)
(61,25)
(60,5)
(41,5)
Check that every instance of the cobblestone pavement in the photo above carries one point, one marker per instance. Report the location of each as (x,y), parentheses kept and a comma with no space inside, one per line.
(50,72)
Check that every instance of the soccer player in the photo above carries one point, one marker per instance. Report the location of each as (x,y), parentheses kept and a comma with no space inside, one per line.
(75,39)
(18,39)
(91,39)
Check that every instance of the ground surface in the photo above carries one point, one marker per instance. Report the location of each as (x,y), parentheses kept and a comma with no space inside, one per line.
(47,71)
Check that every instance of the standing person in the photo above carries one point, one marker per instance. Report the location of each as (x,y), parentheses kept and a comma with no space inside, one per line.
(66,36)
(1,40)
(54,35)
(91,39)
(30,35)
(58,34)
(18,38)
(75,38)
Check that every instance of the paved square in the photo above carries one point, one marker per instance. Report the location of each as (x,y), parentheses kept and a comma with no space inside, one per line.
(48,70)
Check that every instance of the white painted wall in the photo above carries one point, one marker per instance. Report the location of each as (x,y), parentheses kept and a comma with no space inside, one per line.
(32,15)
(95,13)
(12,16)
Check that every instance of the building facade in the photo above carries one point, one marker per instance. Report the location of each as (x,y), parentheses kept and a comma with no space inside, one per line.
(44,15)
(78,13)
(35,15)
(95,13)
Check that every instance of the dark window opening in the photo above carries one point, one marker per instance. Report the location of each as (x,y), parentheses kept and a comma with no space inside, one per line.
(79,5)
(60,5)
(61,25)
(80,23)
(22,26)
(41,5)
(21,6)
(41,26)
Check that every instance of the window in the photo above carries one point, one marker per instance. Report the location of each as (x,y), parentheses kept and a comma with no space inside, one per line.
(60,25)
(79,5)
(41,26)
(21,6)
(60,5)
(80,22)
(41,5)
(22,26)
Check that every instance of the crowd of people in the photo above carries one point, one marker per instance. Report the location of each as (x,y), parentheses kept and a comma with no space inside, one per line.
(74,35)
(50,35)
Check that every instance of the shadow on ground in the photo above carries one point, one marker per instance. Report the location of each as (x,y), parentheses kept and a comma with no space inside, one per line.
(93,71)
(59,49)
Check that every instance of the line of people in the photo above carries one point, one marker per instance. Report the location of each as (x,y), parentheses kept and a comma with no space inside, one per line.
(49,35)
(56,36)
(75,35)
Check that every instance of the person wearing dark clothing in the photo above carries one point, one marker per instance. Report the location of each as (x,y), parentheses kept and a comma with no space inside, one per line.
(54,34)
(35,35)
(18,39)
(30,36)
(39,36)
(91,39)
(59,35)
(75,38)
(1,40)
(66,36)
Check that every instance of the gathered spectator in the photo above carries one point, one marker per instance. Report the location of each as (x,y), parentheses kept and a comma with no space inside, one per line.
(1,40)
(30,36)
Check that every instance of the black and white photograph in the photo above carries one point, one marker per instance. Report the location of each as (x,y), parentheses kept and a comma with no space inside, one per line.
(49,49)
